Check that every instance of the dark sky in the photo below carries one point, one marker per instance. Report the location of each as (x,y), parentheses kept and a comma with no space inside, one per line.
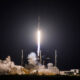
(59,25)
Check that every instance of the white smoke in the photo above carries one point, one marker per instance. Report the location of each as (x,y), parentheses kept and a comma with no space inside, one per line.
(50,65)
(41,69)
(32,59)
(8,67)
(51,70)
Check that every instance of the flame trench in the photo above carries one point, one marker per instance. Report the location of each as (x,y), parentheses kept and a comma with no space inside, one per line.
(38,36)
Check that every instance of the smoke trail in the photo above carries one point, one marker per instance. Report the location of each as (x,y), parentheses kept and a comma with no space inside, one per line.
(32,58)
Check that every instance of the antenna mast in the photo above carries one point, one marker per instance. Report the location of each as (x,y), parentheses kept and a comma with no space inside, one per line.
(55,57)
(22,57)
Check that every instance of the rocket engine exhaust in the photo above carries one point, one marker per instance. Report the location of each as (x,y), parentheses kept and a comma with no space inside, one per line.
(38,38)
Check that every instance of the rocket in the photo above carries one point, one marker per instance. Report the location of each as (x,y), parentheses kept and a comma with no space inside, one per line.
(38,41)
(38,37)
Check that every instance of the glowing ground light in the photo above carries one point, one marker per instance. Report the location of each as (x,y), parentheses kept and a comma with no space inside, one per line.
(38,36)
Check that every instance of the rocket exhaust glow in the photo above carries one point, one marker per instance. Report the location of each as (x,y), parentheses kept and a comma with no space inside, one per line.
(38,36)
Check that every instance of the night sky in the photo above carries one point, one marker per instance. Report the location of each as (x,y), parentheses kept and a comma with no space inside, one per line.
(59,25)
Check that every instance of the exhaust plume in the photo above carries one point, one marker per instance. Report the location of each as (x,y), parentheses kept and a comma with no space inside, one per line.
(32,59)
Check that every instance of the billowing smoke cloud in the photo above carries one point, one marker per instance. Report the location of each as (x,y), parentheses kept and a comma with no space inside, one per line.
(8,67)
(51,70)
(32,59)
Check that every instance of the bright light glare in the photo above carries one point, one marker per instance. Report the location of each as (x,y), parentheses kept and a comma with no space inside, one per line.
(38,36)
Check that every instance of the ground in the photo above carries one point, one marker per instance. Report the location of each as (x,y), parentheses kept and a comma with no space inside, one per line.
(36,77)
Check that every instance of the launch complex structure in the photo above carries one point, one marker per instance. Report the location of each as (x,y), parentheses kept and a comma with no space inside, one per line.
(39,55)
(51,69)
